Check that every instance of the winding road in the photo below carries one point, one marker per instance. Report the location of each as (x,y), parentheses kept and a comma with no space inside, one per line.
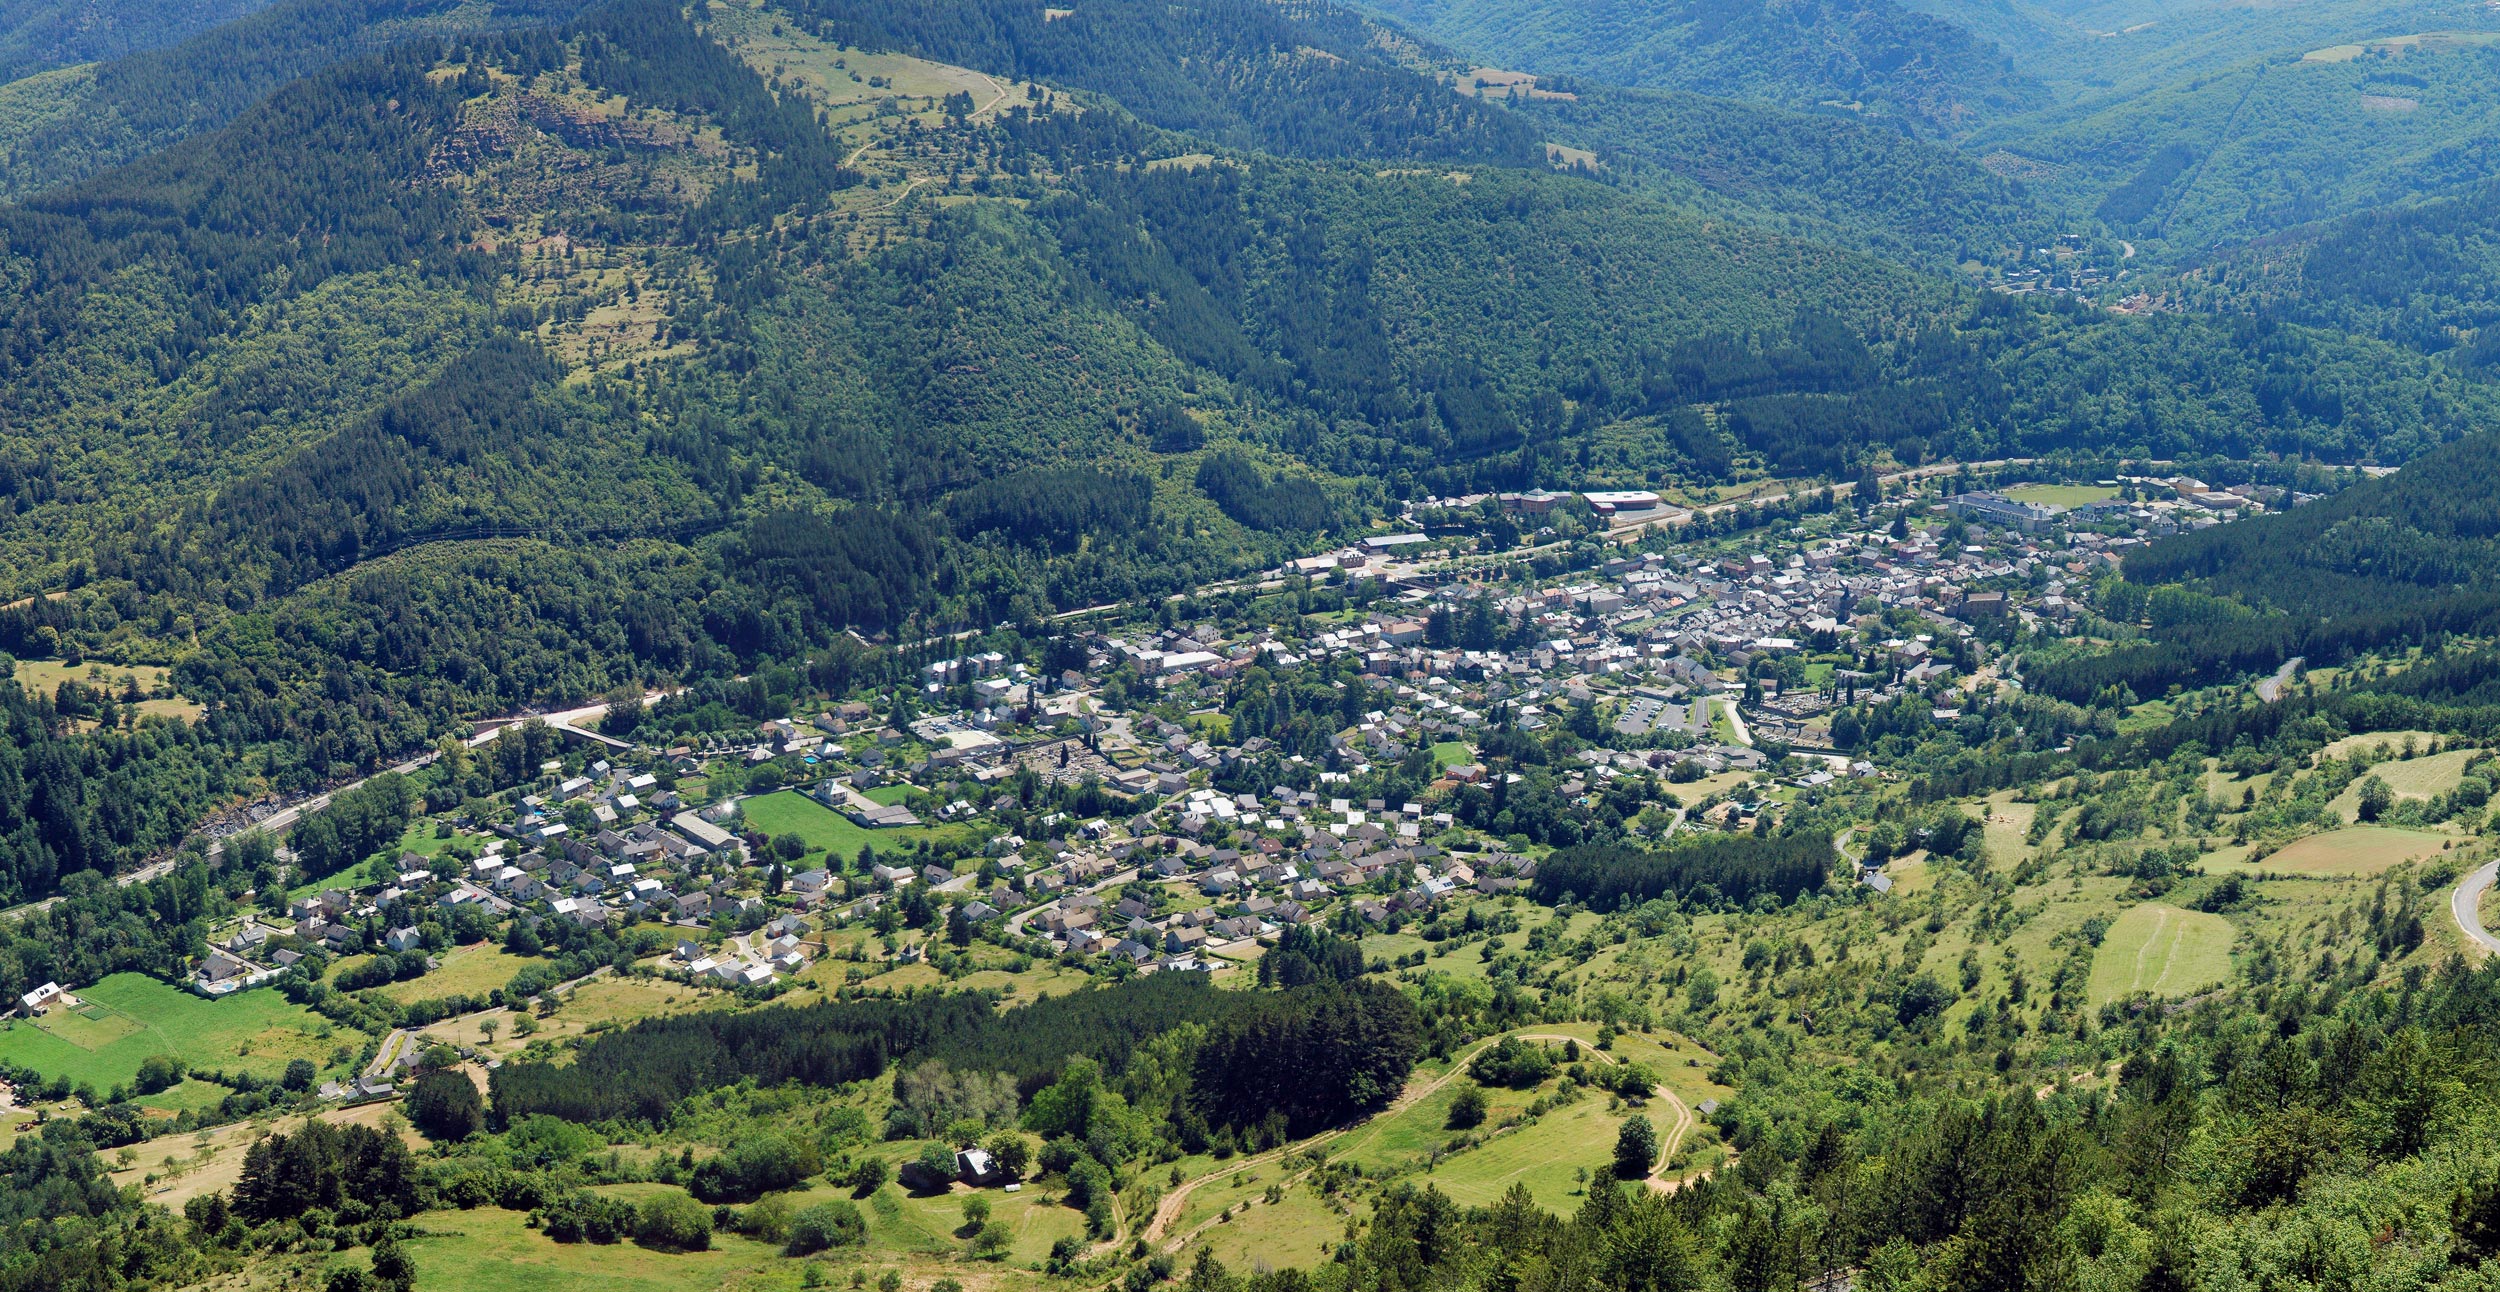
(2466,905)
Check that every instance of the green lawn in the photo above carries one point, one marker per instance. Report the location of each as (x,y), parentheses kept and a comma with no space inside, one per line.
(1451,753)
(888,795)
(253,1031)
(2162,950)
(790,812)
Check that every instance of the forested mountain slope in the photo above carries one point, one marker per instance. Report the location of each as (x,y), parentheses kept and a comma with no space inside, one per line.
(38,35)
(2273,142)
(1862,56)
(2431,529)
(2404,560)
(62,126)
(2426,275)
(1821,176)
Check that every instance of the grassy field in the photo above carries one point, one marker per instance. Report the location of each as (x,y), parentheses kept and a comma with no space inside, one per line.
(2065,495)
(475,970)
(2162,950)
(1300,1230)
(1547,1156)
(188,1096)
(790,812)
(252,1031)
(492,1250)
(2361,851)
(2421,778)
(45,676)
(2369,743)
(1450,753)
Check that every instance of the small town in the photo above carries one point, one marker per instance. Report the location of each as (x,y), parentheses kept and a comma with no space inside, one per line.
(1115,817)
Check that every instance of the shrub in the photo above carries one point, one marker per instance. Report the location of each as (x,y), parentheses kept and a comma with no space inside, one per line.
(1468,1109)
(870,1175)
(587,1217)
(1513,1063)
(827,1224)
(674,1223)
(158,1072)
(755,1168)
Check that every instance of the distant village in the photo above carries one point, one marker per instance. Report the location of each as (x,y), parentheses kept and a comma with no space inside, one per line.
(1692,656)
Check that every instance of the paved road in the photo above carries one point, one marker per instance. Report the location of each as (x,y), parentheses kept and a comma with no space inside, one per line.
(2467,902)
(1016,922)
(2271,689)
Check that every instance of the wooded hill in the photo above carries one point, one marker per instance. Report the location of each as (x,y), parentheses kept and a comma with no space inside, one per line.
(61,126)
(1887,60)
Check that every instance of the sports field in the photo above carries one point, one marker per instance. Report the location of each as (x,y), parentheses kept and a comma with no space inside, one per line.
(790,812)
(2162,950)
(2061,495)
(128,1017)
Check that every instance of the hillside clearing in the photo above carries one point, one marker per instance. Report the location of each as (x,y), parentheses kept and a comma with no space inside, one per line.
(2161,951)
(2359,852)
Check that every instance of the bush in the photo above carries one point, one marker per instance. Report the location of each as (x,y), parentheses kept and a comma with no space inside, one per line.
(446,1106)
(1468,1109)
(157,1072)
(827,1224)
(755,1168)
(870,1175)
(1513,1063)
(587,1218)
(674,1223)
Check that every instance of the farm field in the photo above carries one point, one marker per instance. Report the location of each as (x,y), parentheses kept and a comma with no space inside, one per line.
(2162,950)
(253,1031)
(2359,852)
